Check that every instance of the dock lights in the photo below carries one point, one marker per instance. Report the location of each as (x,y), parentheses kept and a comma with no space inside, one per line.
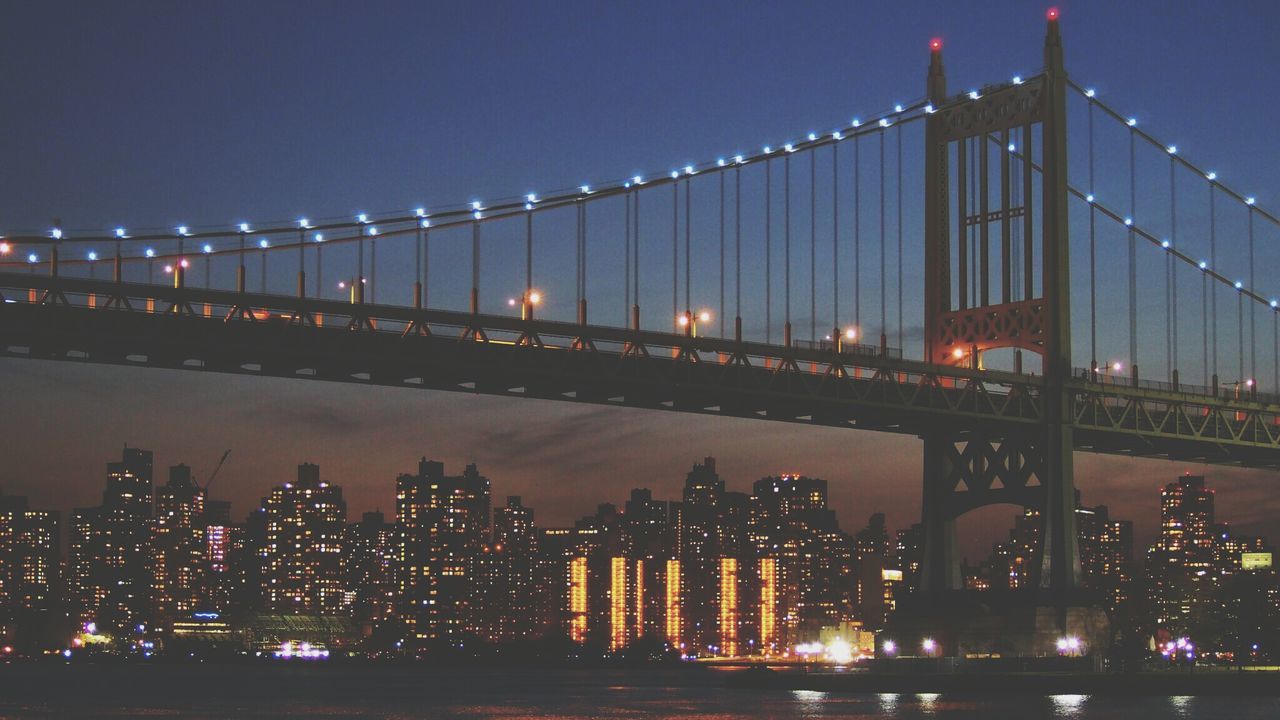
(929,646)
(889,648)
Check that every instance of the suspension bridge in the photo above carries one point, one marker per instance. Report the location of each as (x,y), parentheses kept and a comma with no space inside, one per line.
(772,284)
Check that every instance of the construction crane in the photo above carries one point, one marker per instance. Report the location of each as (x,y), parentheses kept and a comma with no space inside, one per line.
(214,474)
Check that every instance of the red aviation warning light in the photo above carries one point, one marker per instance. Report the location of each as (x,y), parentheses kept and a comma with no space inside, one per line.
(935,44)
(1052,14)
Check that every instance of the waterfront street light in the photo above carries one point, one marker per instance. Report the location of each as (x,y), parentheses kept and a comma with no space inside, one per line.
(929,646)
(527,301)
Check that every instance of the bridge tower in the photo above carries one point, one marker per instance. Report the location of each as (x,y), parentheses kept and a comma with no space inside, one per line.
(983,158)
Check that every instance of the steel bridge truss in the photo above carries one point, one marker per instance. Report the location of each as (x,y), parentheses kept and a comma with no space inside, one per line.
(138,324)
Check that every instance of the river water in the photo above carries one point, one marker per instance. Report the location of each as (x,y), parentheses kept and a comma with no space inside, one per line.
(405,693)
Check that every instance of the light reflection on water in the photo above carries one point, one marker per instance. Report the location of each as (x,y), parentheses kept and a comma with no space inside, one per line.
(397,693)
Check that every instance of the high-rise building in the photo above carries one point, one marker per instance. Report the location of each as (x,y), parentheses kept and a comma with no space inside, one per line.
(110,558)
(442,524)
(177,546)
(302,552)
(369,564)
(513,610)
(1106,552)
(29,557)
(1180,568)
(811,579)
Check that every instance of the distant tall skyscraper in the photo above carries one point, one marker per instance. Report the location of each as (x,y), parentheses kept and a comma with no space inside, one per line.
(442,524)
(369,565)
(1180,565)
(110,574)
(177,546)
(302,552)
(29,557)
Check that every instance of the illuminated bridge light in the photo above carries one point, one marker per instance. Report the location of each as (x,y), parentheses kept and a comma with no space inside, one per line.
(1133,122)
(935,44)
(264,244)
(1090,93)
(974,95)
(150,252)
(56,233)
(420,212)
(1172,149)
(531,197)
(1250,200)
(739,159)
(1211,176)
(119,232)
(183,230)
(33,258)
(302,223)
(812,137)
(857,122)
(897,108)
(92,255)
(637,180)
(586,189)
(1204,265)
(1017,79)
(208,248)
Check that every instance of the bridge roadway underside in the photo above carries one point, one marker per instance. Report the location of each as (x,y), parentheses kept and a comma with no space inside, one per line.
(765,382)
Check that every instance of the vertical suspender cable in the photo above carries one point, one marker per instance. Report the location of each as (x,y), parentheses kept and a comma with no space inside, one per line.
(1093,256)
(319,269)
(1173,266)
(475,265)
(901,343)
(768,250)
(626,272)
(635,266)
(813,245)
(528,251)
(688,257)
(675,249)
(737,244)
(1133,254)
(426,266)
(1239,336)
(721,309)
(1213,265)
(857,233)
(884,314)
(1253,328)
(417,258)
(835,240)
(1168,284)
(786,240)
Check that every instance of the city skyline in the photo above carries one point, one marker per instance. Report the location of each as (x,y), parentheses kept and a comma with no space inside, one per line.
(662,97)
(975,544)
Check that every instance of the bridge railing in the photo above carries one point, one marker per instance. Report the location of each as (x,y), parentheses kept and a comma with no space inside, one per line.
(1235,390)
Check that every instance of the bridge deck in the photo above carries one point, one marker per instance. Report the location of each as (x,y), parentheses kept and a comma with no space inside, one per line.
(283,336)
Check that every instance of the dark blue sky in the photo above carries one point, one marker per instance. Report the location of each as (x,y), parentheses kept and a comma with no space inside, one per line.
(154,115)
